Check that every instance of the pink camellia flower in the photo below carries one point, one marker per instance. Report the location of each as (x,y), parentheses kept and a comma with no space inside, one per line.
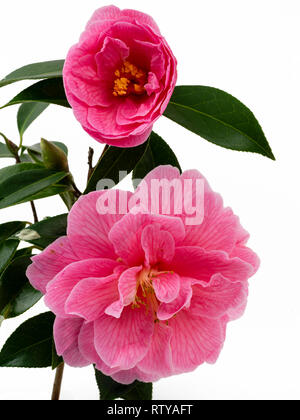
(142,295)
(120,77)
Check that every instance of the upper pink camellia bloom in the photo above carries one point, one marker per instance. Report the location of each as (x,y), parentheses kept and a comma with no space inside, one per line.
(120,77)
(141,295)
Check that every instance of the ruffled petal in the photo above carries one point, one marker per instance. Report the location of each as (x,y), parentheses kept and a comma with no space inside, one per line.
(167,311)
(124,342)
(88,228)
(50,262)
(158,245)
(166,287)
(216,298)
(197,263)
(59,289)
(91,296)
(195,341)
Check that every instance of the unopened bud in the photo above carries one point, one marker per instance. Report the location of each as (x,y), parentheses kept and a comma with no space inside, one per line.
(28,235)
(53,157)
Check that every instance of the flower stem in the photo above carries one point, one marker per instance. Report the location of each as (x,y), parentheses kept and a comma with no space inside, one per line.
(57,382)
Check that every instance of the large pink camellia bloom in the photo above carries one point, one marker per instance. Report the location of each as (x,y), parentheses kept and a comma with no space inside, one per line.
(141,295)
(120,77)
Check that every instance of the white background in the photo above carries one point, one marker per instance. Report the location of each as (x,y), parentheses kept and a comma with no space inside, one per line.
(249,48)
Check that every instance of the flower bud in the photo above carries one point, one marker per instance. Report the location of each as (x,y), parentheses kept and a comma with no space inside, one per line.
(53,157)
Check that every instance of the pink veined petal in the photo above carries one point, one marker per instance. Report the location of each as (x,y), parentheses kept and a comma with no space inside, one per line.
(59,289)
(126,234)
(153,84)
(91,296)
(50,262)
(88,229)
(246,254)
(158,245)
(87,348)
(167,311)
(80,64)
(92,94)
(122,142)
(158,360)
(195,262)
(216,298)
(124,342)
(126,377)
(127,291)
(110,58)
(195,341)
(66,333)
(141,18)
(166,287)
(220,228)
(74,358)
(105,13)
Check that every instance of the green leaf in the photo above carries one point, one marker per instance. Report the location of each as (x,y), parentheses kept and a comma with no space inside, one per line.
(9,229)
(56,360)
(16,293)
(50,91)
(25,182)
(49,230)
(36,71)
(24,252)
(28,113)
(219,118)
(36,148)
(157,153)
(5,152)
(113,161)
(110,390)
(30,346)
(35,153)
(7,251)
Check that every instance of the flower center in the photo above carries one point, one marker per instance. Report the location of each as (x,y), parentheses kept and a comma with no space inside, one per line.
(129,80)
(145,294)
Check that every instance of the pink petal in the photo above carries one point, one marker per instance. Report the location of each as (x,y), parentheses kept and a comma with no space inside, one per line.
(153,84)
(195,341)
(127,377)
(88,230)
(220,229)
(157,244)
(246,254)
(126,234)
(91,296)
(66,333)
(141,18)
(110,58)
(74,358)
(105,13)
(124,342)
(167,310)
(158,360)
(50,262)
(59,289)
(128,285)
(167,287)
(87,348)
(216,298)
(195,262)
(92,94)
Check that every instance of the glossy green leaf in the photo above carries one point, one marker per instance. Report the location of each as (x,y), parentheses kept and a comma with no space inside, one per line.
(110,390)
(28,113)
(49,91)
(25,182)
(219,118)
(48,230)
(9,229)
(30,346)
(5,152)
(157,153)
(113,161)
(7,251)
(36,71)
(16,293)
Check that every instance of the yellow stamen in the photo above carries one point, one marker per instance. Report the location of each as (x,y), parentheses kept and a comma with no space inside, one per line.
(129,79)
